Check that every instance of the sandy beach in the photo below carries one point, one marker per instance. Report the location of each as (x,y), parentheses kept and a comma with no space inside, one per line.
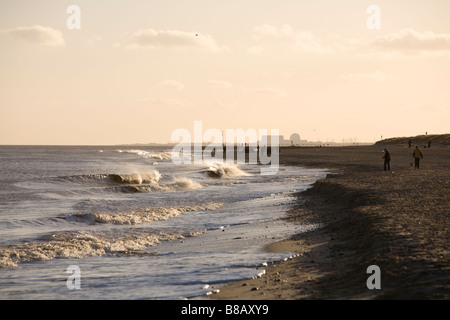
(397,220)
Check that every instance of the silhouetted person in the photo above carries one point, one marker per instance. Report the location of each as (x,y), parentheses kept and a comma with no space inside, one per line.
(417,155)
(429,143)
(387,160)
(409,143)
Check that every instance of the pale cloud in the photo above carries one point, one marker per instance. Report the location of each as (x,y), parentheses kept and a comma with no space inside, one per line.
(268,91)
(267,30)
(37,34)
(94,39)
(405,43)
(298,40)
(173,84)
(220,84)
(411,40)
(307,42)
(151,38)
(377,76)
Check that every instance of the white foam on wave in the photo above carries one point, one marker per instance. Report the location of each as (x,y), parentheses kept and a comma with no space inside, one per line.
(135,182)
(177,184)
(138,178)
(164,155)
(144,215)
(113,179)
(183,183)
(81,244)
(216,170)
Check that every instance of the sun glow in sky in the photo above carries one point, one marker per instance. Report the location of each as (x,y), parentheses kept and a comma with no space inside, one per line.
(138,70)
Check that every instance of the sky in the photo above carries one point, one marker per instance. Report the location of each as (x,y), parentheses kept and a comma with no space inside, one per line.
(124,72)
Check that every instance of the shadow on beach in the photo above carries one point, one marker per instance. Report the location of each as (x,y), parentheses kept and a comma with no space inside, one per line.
(397,220)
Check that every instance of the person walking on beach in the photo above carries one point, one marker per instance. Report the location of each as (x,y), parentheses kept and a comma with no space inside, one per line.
(417,155)
(387,160)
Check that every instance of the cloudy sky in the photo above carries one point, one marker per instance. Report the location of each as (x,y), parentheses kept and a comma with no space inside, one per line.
(138,70)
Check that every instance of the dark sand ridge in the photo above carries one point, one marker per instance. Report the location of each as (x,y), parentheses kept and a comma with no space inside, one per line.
(396,220)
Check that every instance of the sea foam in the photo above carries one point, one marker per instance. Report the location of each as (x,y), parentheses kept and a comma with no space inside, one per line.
(142,215)
(80,244)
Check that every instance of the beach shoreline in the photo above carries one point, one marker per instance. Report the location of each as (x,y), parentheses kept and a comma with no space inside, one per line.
(397,220)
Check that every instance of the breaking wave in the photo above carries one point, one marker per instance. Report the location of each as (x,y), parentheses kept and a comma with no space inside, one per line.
(81,244)
(142,215)
(225,171)
(132,183)
(86,243)
(165,155)
(115,179)
(178,184)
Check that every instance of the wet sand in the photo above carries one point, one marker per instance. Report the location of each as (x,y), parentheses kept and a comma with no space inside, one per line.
(398,220)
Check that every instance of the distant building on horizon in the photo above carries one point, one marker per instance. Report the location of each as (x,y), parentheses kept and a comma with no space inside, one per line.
(293,141)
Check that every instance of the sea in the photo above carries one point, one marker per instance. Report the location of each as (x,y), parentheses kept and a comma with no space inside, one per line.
(126,223)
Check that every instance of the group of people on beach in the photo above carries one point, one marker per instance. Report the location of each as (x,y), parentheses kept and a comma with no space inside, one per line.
(417,155)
